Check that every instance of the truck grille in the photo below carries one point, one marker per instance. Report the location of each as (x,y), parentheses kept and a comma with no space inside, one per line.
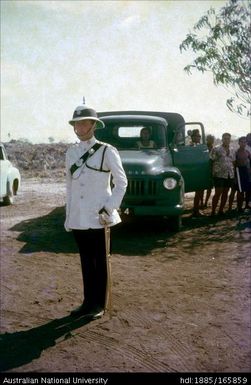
(141,187)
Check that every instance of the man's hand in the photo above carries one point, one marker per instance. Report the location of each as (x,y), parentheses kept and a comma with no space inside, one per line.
(104,217)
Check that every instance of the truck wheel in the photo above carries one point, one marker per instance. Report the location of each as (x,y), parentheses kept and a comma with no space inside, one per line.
(175,223)
(9,199)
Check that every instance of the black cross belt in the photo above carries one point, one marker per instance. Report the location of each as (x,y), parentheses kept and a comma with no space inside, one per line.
(84,157)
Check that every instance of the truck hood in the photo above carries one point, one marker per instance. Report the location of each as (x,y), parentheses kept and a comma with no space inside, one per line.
(145,162)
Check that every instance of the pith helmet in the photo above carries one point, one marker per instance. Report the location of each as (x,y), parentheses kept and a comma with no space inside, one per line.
(83,113)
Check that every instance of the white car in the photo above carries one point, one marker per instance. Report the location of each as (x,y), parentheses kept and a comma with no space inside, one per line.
(10,178)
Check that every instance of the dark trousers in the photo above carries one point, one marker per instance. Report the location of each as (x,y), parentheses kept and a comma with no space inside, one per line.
(91,245)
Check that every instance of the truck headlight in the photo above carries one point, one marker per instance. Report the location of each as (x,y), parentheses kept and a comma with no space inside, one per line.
(169,183)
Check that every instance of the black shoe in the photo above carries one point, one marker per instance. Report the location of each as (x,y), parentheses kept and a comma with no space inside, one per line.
(97,313)
(82,310)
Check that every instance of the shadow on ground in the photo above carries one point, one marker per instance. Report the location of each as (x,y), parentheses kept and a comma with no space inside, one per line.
(20,348)
(135,236)
(45,233)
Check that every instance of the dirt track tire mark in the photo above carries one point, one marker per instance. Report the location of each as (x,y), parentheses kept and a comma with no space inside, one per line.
(174,347)
(130,352)
(180,351)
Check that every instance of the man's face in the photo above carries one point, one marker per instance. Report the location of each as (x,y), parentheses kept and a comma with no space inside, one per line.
(210,140)
(84,129)
(226,140)
(145,135)
(249,139)
(196,137)
(242,143)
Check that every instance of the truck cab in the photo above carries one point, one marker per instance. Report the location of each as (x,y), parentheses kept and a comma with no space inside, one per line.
(161,174)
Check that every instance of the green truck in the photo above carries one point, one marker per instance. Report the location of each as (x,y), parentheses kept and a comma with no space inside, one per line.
(158,177)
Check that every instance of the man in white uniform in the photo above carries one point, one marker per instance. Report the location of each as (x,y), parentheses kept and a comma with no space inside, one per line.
(92,203)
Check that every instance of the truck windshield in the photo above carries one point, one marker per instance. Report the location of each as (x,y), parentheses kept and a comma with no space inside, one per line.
(133,136)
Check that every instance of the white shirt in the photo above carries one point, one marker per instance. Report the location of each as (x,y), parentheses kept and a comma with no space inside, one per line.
(150,145)
(89,190)
(223,162)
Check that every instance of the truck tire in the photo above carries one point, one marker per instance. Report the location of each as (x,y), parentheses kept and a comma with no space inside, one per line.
(9,198)
(175,223)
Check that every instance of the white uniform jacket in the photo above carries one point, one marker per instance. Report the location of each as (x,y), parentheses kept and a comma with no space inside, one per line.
(88,190)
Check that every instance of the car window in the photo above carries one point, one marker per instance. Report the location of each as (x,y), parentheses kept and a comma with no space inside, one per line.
(193,135)
(190,134)
(128,136)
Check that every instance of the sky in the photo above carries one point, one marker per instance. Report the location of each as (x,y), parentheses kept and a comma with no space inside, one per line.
(120,55)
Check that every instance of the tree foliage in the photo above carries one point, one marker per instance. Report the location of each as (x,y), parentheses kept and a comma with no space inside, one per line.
(222,42)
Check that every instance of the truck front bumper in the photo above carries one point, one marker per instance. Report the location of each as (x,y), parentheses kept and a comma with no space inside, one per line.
(155,210)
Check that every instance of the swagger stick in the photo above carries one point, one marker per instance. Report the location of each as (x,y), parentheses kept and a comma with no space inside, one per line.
(238,179)
(108,294)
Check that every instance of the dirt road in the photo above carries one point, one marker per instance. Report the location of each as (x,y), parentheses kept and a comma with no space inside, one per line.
(181,302)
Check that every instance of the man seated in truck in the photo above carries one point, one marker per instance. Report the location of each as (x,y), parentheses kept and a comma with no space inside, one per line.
(145,141)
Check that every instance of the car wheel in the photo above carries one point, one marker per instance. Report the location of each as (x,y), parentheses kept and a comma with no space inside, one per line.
(175,223)
(9,199)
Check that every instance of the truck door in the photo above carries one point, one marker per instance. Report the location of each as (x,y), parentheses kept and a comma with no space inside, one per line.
(191,158)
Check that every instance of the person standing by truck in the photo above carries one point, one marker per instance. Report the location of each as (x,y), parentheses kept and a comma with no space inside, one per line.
(243,158)
(223,158)
(92,204)
(198,197)
(248,195)
(210,145)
